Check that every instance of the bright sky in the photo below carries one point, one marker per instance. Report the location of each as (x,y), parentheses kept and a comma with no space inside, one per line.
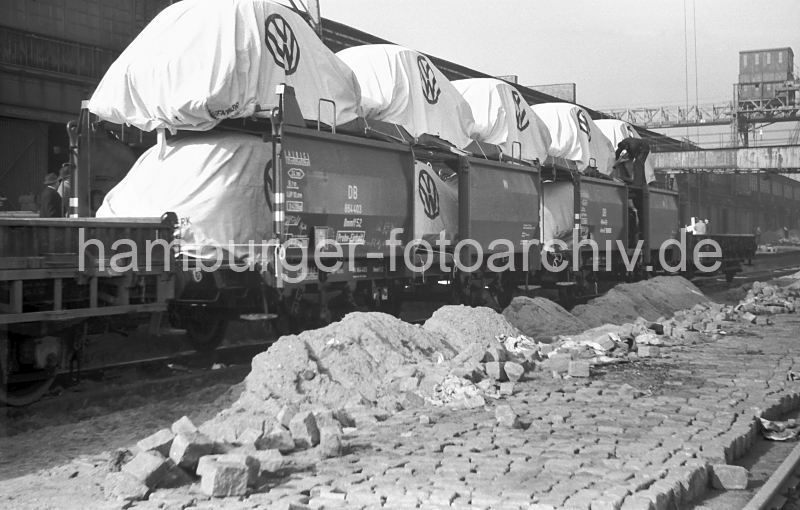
(619,52)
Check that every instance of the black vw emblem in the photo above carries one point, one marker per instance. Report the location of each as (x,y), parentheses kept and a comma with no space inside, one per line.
(281,43)
(428,194)
(522,120)
(430,89)
(583,123)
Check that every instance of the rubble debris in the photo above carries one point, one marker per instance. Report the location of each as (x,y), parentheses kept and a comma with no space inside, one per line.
(779,430)
(457,392)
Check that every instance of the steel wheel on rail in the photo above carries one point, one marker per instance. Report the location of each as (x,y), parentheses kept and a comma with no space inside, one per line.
(205,331)
(22,381)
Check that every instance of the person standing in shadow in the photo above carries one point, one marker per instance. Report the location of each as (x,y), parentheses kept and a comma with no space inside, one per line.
(50,204)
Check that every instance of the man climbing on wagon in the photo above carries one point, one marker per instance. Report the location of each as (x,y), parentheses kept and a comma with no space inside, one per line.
(637,151)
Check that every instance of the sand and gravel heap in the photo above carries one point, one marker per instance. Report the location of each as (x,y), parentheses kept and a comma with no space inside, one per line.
(469,329)
(366,360)
(658,297)
(539,317)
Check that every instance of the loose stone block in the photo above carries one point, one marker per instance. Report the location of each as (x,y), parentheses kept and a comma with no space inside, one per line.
(330,442)
(648,351)
(506,417)
(150,468)
(159,442)
(514,371)
(184,426)
(277,439)
(285,415)
(749,317)
(303,427)
(507,388)
(207,464)
(187,449)
(270,461)
(558,362)
(578,368)
(494,370)
(224,479)
(124,487)
(249,436)
(725,476)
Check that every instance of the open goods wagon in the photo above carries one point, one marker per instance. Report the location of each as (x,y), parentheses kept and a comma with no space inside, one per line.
(396,214)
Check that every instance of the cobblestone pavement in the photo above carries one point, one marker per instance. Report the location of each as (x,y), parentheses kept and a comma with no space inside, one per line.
(584,443)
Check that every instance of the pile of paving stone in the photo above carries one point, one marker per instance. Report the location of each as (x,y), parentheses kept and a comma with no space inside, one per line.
(181,455)
(310,392)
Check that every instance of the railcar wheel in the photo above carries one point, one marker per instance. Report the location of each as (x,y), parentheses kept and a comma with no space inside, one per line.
(21,385)
(206,333)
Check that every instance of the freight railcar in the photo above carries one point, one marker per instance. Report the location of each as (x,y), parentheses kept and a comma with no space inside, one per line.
(388,216)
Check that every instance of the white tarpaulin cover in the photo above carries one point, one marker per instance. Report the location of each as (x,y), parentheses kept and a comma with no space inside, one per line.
(616,131)
(200,61)
(402,86)
(214,182)
(575,136)
(502,117)
(558,212)
(435,204)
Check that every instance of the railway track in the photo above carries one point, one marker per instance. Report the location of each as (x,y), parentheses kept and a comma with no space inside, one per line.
(764,267)
(780,487)
(189,363)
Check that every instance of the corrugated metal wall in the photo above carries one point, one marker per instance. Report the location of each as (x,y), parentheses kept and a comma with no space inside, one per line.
(24,146)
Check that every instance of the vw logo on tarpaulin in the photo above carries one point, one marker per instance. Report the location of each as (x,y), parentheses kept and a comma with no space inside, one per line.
(428,194)
(522,120)
(430,88)
(583,123)
(281,43)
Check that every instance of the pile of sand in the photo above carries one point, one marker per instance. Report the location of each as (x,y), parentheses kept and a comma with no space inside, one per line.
(658,297)
(469,328)
(539,317)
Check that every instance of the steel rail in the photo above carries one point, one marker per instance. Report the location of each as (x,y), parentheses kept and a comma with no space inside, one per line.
(772,495)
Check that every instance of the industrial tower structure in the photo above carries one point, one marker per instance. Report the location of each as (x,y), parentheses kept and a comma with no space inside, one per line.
(767,92)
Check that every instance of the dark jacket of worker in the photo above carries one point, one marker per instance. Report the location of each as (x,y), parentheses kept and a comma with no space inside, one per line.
(50,204)
(636,148)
